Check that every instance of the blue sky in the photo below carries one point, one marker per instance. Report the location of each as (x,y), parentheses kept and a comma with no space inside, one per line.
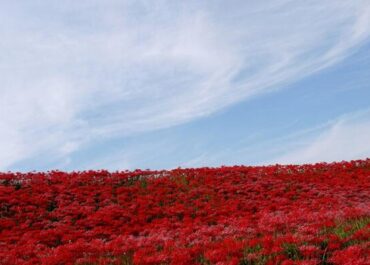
(162,84)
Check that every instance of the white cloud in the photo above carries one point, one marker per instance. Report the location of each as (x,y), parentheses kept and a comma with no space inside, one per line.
(346,139)
(74,71)
(343,138)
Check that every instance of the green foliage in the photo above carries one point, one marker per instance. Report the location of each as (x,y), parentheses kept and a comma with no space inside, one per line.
(347,228)
(203,260)
(292,251)
(143,183)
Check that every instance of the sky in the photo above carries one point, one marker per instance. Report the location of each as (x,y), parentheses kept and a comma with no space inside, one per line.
(164,84)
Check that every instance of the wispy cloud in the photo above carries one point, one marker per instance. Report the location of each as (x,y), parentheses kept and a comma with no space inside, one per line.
(75,71)
(346,139)
(343,138)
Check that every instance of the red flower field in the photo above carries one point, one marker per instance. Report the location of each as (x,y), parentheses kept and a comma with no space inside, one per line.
(310,214)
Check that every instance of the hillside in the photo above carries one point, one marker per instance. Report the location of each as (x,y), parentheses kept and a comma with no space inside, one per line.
(310,214)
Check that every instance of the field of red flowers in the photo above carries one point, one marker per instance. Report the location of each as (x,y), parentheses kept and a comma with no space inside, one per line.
(310,214)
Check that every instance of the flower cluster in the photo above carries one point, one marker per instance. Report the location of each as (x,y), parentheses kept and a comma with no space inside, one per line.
(308,214)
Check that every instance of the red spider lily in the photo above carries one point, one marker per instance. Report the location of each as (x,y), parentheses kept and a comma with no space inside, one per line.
(307,214)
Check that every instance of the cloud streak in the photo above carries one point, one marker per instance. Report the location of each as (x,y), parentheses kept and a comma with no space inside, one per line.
(79,71)
(346,139)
